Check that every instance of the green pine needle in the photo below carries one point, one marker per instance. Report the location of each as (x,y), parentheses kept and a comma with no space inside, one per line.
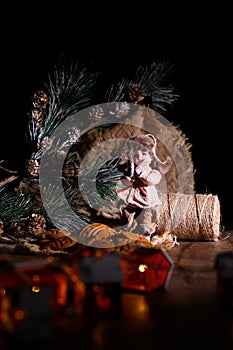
(151,79)
(15,206)
(71,88)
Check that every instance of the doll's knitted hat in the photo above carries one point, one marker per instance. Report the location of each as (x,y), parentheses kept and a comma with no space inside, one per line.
(148,141)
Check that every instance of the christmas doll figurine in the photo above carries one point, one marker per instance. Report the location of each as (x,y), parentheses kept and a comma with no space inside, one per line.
(142,171)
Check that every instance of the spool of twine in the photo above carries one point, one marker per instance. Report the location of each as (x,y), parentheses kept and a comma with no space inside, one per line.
(190,217)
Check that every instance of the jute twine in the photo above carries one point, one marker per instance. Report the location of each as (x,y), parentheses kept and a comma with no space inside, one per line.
(190,217)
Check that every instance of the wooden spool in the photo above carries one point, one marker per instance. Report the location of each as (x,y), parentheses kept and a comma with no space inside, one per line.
(190,217)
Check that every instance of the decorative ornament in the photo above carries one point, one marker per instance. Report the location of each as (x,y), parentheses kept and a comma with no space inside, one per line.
(146,270)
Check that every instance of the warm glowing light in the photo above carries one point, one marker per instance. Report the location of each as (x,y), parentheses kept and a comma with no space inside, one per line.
(98,254)
(50,259)
(96,288)
(142,267)
(36,278)
(74,278)
(136,307)
(19,315)
(35,289)
(2,292)
(60,301)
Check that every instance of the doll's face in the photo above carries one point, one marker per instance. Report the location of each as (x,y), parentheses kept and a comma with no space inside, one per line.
(141,156)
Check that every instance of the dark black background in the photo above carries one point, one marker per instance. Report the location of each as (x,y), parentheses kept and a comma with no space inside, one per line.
(195,40)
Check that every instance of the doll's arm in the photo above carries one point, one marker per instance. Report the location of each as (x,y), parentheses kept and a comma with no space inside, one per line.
(153,178)
(165,166)
(148,175)
(126,181)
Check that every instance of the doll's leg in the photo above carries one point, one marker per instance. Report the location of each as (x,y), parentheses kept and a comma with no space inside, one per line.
(148,221)
(145,224)
(156,217)
(128,217)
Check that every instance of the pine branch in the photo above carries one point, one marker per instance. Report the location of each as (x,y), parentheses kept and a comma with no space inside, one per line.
(8,180)
(151,79)
(14,207)
(7,170)
(107,179)
(58,203)
(116,92)
(71,88)
(105,183)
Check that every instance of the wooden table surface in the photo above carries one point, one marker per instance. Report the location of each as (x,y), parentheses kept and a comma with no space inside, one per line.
(186,315)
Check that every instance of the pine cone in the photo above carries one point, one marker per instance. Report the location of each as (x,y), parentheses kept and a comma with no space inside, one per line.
(33,167)
(39,112)
(1,227)
(135,94)
(70,172)
(96,113)
(16,230)
(36,225)
(38,118)
(40,100)
(32,189)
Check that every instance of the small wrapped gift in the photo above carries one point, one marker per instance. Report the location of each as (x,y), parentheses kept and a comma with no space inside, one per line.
(146,269)
(102,275)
